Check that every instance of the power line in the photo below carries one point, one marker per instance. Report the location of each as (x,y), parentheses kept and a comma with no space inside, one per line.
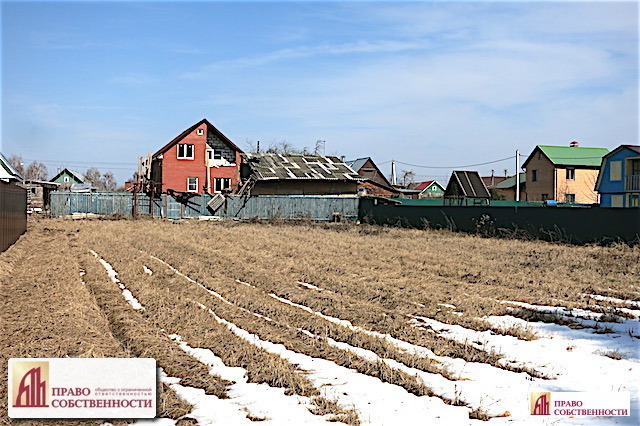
(456,167)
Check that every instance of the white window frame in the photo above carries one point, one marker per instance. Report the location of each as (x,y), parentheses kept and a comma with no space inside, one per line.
(615,171)
(65,179)
(222,187)
(189,184)
(570,174)
(200,132)
(185,145)
(566,198)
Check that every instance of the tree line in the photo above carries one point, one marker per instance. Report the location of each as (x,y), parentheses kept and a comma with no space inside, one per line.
(38,171)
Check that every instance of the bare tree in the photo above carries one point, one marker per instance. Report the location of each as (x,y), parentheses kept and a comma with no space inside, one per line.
(16,162)
(36,171)
(407,177)
(93,176)
(284,147)
(109,182)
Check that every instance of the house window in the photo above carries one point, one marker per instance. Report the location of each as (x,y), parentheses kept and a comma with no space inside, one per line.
(185,151)
(634,200)
(617,201)
(200,132)
(571,174)
(615,171)
(545,197)
(222,184)
(214,154)
(570,198)
(192,184)
(534,175)
(66,178)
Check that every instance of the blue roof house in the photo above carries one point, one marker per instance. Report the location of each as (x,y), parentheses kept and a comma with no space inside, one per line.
(619,178)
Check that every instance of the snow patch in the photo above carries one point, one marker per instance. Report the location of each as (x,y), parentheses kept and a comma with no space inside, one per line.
(147,270)
(114,277)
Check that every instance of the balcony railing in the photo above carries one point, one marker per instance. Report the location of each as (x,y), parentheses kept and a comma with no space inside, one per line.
(632,183)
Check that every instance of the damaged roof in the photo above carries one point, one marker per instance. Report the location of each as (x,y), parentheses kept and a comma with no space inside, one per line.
(298,166)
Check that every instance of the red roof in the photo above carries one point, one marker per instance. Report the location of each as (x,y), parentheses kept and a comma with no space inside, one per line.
(423,185)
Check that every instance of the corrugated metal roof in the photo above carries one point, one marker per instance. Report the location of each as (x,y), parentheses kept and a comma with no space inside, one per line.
(572,156)
(298,167)
(510,182)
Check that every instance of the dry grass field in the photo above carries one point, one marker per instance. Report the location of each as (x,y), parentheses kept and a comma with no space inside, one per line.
(349,323)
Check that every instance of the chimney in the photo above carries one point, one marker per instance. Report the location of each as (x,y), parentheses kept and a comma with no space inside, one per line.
(574,144)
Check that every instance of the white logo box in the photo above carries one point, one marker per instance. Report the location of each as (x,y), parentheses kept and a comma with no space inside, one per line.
(82,388)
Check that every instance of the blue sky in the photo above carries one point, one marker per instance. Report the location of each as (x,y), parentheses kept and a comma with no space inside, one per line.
(439,84)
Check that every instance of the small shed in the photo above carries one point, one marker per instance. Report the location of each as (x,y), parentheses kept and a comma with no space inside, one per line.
(466,188)
(39,195)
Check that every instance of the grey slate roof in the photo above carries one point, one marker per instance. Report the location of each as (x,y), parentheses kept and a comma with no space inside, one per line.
(466,184)
(298,166)
(356,164)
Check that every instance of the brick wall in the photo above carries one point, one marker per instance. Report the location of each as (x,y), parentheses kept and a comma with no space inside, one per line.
(175,172)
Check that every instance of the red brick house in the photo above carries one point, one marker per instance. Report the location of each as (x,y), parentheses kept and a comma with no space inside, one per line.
(200,160)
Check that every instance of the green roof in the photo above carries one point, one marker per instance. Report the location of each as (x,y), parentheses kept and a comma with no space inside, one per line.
(574,156)
(510,182)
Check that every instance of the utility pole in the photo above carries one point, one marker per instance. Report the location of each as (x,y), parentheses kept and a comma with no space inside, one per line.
(517,175)
(393,172)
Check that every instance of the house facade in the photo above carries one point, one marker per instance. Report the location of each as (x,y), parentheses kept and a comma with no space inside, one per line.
(200,160)
(67,178)
(619,178)
(374,183)
(430,189)
(566,174)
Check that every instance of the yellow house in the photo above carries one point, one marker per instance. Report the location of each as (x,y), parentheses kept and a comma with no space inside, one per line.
(567,174)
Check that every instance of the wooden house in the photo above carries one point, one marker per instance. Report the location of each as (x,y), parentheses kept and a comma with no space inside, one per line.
(374,182)
(429,189)
(67,178)
(466,188)
(567,174)
(200,160)
(619,177)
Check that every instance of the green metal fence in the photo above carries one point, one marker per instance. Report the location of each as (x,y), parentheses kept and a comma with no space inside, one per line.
(586,224)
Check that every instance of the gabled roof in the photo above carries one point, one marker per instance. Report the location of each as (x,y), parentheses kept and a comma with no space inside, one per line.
(510,182)
(7,171)
(191,129)
(77,176)
(422,186)
(298,166)
(466,184)
(570,156)
(358,164)
(632,148)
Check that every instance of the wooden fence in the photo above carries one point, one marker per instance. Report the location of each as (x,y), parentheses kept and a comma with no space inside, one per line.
(13,213)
